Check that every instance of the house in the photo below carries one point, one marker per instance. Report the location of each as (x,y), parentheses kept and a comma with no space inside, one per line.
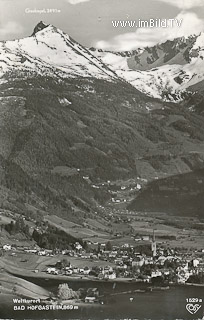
(31,250)
(86,256)
(48,252)
(52,270)
(94,256)
(42,253)
(148,260)
(100,276)
(7,247)
(68,266)
(81,270)
(75,270)
(122,268)
(113,254)
(92,295)
(107,269)
(166,272)
(170,258)
(138,261)
(145,238)
(161,260)
(90,299)
(118,261)
(146,279)
(156,273)
(69,272)
(70,252)
(183,275)
(195,263)
(93,292)
(181,278)
(87,270)
(78,247)
(183,267)
(125,245)
(112,276)
(36,270)
(201,266)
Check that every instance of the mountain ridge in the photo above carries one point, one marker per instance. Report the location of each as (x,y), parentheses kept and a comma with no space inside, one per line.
(166,71)
(68,59)
(169,71)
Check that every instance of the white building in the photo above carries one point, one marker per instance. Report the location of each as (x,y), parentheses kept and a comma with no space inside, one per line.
(139,261)
(7,247)
(112,276)
(156,273)
(52,270)
(42,253)
(195,263)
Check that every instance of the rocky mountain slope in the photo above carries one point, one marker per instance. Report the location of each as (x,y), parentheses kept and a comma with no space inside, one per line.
(69,125)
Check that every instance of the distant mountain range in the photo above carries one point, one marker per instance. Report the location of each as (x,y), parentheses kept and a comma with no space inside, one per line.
(72,120)
(168,71)
(171,71)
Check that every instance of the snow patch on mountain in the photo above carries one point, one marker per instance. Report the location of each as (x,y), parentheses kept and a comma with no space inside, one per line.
(113,60)
(64,102)
(155,83)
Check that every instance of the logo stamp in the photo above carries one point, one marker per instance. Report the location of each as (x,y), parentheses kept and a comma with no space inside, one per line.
(193,305)
(193,308)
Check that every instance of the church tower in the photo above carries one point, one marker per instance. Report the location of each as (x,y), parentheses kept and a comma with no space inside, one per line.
(154,245)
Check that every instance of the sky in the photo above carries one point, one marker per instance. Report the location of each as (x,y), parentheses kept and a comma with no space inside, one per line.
(90,22)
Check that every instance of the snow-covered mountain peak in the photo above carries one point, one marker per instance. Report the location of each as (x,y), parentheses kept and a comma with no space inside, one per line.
(51,51)
(40,26)
(46,32)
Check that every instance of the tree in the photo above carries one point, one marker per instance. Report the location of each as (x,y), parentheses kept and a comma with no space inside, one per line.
(158,280)
(35,235)
(108,246)
(27,230)
(66,293)
(85,245)
(65,263)
(20,225)
(197,278)
(14,289)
